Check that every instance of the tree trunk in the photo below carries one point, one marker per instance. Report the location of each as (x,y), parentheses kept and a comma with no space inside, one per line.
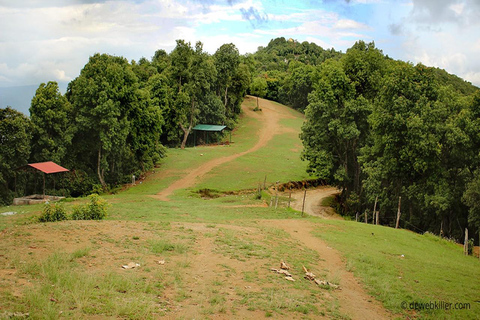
(99,170)
(225,103)
(186,132)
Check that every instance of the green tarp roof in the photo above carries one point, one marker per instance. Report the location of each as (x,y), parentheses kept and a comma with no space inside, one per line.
(208,127)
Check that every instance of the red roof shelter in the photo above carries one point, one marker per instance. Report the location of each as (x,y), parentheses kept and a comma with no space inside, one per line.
(45,167)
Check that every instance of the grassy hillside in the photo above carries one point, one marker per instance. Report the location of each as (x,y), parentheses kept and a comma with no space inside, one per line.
(218,248)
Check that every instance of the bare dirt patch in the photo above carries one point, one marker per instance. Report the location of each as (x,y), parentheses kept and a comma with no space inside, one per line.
(354,301)
(223,272)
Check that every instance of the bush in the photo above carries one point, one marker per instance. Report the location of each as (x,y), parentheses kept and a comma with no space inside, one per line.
(470,247)
(53,212)
(95,210)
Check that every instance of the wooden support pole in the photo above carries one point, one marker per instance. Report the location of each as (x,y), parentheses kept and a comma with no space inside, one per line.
(377,213)
(375,209)
(356,217)
(465,244)
(44,186)
(398,212)
(276,201)
(366,216)
(303,205)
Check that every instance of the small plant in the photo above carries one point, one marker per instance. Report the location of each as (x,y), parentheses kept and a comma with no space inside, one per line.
(53,212)
(95,210)
(470,247)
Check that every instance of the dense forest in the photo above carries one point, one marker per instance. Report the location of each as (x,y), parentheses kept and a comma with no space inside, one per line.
(375,127)
(117,117)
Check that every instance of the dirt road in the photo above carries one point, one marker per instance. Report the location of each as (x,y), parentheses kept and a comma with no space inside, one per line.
(313,202)
(270,116)
(354,301)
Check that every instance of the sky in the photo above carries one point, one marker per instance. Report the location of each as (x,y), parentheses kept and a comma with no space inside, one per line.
(51,40)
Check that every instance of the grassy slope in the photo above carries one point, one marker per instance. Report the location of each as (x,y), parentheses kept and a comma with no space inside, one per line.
(431,269)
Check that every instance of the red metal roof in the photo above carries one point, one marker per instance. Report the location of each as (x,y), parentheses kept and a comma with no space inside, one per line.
(48,167)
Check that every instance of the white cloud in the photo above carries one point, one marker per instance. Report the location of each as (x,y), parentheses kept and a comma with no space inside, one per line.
(473,77)
(349,24)
(52,39)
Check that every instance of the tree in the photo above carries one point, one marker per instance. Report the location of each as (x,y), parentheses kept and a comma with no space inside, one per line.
(226,60)
(103,97)
(365,66)
(335,129)
(471,198)
(194,83)
(15,135)
(259,88)
(298,84)
(50,113)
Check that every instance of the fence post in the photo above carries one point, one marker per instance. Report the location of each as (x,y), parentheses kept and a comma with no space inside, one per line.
(398,212)
(465,244)
(374,209)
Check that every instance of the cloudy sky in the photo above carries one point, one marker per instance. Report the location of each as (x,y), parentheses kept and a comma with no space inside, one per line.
(44,40)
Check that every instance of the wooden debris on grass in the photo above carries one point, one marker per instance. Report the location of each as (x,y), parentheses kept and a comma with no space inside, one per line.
(283,270)
(131,265)
(284,266)
(326,283)
(310,276)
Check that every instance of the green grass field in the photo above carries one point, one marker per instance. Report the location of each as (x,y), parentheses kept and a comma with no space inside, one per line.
(219,250)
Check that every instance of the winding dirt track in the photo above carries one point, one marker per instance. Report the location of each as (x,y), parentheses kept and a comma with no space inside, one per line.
(270,115)
(354,301)
(313,202)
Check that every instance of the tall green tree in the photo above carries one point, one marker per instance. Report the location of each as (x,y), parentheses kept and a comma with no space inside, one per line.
(335,129)
(226,60)
(15,135)
(193,83)
(109,110)
(298,84)
(258,87)
(51,116)
(406,146)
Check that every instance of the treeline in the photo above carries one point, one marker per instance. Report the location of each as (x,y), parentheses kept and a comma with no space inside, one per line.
(380,128)
(117,116)
(284,70)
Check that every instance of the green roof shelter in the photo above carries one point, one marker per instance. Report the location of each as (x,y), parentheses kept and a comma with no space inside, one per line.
(208,128)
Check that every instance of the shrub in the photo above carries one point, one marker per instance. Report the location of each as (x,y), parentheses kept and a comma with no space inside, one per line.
(53,212)
(470,247)
(79,212)
(95,210)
